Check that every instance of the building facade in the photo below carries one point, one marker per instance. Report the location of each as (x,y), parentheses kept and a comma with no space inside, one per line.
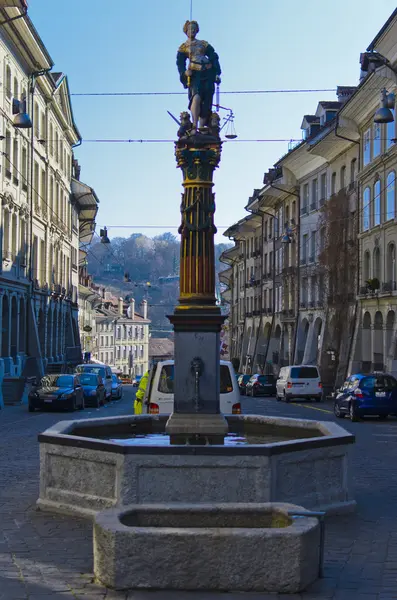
(38,221)
(327,253)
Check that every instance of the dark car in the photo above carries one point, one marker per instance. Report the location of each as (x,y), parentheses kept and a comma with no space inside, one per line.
(57,391)
(94,389)
(362,395)
(261,385)
(117,387)
(242,383)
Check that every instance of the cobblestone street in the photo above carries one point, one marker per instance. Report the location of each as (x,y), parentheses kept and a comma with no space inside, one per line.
(48,556)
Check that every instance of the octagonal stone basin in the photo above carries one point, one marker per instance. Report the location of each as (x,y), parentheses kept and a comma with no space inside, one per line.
(223,547)
(82,471)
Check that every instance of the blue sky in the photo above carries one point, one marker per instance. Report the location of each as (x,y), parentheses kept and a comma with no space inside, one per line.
(131,46)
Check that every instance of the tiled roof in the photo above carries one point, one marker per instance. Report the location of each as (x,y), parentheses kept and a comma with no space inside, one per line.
(330,104)
(311,118)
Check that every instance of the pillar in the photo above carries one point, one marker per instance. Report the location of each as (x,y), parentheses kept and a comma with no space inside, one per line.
(197,319)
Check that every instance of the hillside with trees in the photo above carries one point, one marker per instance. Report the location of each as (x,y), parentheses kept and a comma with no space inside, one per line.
(143,267)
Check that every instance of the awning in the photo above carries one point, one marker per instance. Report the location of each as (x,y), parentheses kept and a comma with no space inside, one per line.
(87,203)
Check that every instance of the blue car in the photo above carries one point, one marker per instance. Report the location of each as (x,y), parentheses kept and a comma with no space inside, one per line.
(362,395)
(94,389)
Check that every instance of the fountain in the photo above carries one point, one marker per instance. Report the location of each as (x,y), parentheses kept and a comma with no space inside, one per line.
(198,483)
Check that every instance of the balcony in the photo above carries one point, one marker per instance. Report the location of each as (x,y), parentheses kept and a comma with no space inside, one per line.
(320,303)
(311,258)
(303,210)
(321,202)
(303,260)
(313,206)
(363,290)
(312,304)
(248,314)
(269,311)
(389,286)
(303,304)
(256,313)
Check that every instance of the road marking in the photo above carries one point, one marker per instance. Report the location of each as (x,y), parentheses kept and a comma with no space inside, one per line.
(315,408)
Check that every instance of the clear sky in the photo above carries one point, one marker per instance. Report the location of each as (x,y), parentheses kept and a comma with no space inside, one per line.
(130,46)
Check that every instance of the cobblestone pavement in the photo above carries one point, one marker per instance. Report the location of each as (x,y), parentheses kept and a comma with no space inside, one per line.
(44,556)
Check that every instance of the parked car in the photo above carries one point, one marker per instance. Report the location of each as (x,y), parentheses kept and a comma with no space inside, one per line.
(242,382)
(302,381)
(362,395)
(99,369)
(57,391)
(94,389)
(117,387)
(125,379)
(159,395)
(136,381)
(261,385)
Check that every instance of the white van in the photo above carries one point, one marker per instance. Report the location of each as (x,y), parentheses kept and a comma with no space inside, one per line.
(103,370)
(299,381)
(160,391)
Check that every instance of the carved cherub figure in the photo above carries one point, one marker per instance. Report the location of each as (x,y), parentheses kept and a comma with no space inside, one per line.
(186,124)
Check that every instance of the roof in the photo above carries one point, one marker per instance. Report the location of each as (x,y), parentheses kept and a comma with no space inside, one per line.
(382,30)
(311,118)
(161,347)
(328,104)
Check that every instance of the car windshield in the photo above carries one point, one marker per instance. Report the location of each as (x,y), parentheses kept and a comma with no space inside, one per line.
(97,370)
(265,379)
(304,373)
(88,379)
(64,381)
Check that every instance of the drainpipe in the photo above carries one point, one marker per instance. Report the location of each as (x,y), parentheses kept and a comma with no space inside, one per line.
(358,240)
(298,245)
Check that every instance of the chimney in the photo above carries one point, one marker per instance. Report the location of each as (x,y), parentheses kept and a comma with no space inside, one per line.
(121,307)
(144,309)
(132,308)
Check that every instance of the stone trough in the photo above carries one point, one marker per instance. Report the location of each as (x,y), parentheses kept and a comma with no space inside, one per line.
(82,471)
(225,547)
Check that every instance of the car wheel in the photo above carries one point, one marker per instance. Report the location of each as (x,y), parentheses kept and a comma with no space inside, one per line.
(337,411)
(318,398)
(31,408)
(353,413)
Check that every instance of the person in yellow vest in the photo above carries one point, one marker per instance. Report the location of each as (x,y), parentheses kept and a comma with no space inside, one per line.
(140,394)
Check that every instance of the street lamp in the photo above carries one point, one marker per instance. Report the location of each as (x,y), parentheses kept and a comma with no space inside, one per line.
(384,114)
(22,119)
(103,234)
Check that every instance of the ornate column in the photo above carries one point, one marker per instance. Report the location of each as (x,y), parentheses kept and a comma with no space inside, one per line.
(197,319)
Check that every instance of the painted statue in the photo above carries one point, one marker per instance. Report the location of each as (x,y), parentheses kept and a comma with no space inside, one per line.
(202,73)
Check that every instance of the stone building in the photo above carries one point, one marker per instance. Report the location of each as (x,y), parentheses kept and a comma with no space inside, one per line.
(39,220)
(123,337)
(331,205)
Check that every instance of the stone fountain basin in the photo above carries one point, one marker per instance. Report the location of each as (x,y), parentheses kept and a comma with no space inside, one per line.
(223,547)
(83,473)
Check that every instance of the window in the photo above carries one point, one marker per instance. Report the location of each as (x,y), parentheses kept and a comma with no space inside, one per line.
(305,198)
(305,247)
(377,205)
(8,82)
(342,177)
(304,373)
(51,139)
(44,190)
(367,147)
(24,169)
(391,264)
(312,246)
(313,204)
(366,208)
(367,266)
(15,158)
(390,196)
(376,263)
(323,191)
(16,89)
(376,147)
(391,131)
(353,170)
(8,155)
(36,122)
(333,184)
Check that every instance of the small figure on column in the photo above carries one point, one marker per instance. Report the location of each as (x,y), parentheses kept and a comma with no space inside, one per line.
(200,77)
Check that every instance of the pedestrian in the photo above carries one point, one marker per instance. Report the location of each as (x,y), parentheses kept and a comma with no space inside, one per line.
(140,394)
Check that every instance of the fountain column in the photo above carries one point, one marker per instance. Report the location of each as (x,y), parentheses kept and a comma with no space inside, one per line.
(197,319)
